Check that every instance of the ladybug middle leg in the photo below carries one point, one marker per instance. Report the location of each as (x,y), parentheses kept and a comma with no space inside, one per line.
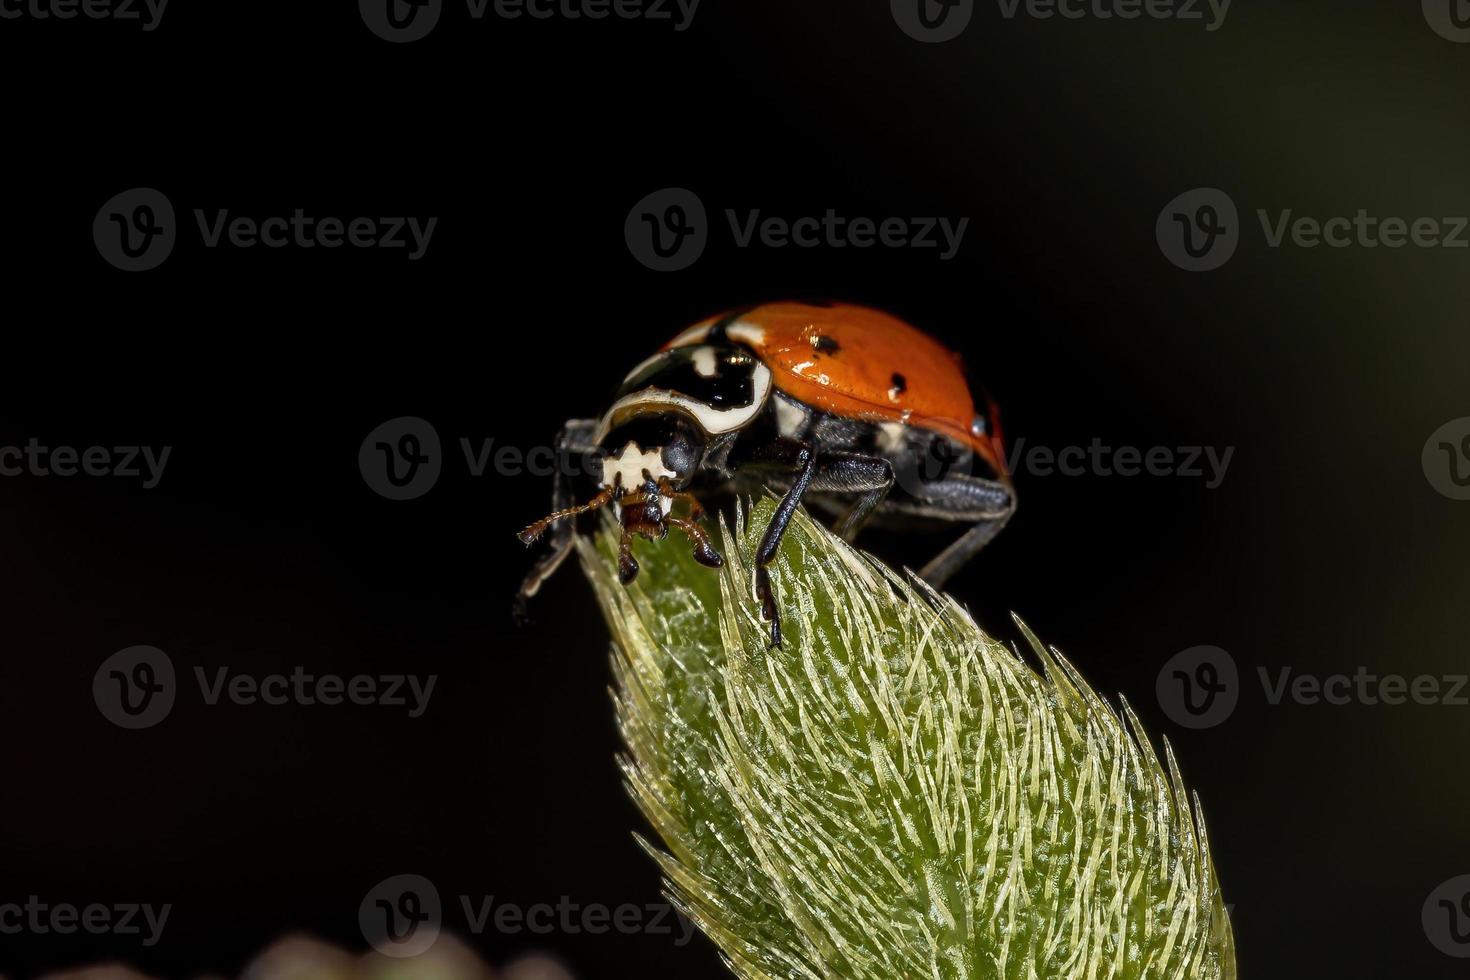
(870,477)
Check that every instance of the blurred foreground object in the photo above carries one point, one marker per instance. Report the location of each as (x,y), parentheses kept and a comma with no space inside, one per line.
(304,958)
(894,793)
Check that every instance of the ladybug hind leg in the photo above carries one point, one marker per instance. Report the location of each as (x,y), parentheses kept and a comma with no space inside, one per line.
(988,503)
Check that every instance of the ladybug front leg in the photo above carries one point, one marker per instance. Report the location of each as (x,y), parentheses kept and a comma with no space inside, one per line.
(575,438)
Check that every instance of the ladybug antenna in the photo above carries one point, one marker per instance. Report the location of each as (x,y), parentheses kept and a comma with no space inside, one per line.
(534,531)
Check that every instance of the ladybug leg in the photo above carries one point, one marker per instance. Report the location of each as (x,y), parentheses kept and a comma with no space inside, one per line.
(574,438)
(871,477)
(696,509)
(957,555)
(704,552)
(627,564)
(792,453)
(989,503)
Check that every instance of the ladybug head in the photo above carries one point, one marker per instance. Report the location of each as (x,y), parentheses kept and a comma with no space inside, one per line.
(648,462)
(659,450)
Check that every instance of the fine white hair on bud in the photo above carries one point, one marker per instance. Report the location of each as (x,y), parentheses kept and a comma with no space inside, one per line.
(892,793)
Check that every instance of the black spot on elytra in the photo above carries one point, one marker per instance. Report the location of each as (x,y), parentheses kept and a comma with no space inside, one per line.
(825,345)
(900,383)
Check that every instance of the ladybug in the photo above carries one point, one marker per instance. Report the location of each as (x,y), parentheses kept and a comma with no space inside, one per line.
(843,407)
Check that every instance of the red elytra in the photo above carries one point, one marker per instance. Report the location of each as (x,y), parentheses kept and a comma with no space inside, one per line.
(862,363)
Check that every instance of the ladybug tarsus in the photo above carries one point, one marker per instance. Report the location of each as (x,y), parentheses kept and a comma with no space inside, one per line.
(627,564)
(704,552)
(767,596)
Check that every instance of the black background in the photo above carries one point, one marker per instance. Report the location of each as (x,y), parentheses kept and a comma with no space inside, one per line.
(1325,549)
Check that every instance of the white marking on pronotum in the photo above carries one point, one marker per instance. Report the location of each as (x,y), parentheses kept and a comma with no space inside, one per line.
(704,362)
(693,335)
(631,464)
(790,416)
(715,421)
(890,436)
(748,332)
(644,365)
